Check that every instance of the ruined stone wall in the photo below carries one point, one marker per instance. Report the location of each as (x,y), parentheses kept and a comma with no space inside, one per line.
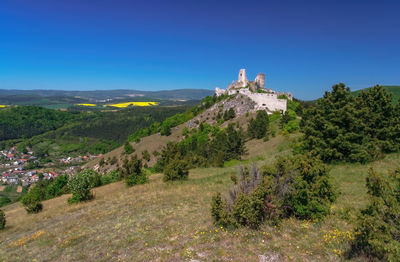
(265,101)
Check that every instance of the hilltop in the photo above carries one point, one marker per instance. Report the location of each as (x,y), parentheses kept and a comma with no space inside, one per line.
(394,90)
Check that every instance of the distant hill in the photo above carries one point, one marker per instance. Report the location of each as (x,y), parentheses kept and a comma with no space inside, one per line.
(178,94)
(394,90)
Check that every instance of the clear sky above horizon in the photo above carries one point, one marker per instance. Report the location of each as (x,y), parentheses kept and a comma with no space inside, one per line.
(302,46)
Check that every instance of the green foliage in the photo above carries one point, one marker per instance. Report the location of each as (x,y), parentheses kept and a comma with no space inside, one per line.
(176,170)
(258,127)
(302,187)
(165,127)
(343,128)
(80,185)
(4,200)
(378,226)
(2,220)
(294,186)
(230,142)
(245,204)
(110,177)
(58,187)
(291,126)
(31,200)
(165,130)
(208,145)
(132,172)
(128,149)
(229,114)
(185,131)
(27,121)
(146,155)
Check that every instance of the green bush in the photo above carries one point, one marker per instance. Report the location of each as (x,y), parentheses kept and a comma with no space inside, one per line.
(128,149)
(2,220)
(378,226)
(302,187)
(80,185)
(293,186)
(245,204)
(176,170)
(110,177)
(4,201)
(146,155)
(58,187)
(229,114)
(132,171)
(31,200)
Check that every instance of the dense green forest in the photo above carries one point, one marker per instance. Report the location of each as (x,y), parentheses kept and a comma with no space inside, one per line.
(51,132)
(27,121)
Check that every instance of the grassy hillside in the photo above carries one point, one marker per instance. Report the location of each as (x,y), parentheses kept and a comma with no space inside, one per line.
(172,222)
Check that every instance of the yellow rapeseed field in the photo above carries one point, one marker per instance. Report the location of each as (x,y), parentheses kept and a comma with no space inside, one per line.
(3,106)
(126,104)
(86,104)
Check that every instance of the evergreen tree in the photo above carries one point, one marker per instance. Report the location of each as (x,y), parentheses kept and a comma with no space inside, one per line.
(341,127)
(128,149)
(132,171)
(258,127)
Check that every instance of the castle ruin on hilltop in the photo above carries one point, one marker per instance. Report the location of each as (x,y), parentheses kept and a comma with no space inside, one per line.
(265,99)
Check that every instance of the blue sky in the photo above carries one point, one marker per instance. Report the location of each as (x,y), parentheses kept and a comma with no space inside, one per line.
(302,46)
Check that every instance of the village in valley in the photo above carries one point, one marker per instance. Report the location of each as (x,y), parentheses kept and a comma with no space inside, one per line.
(24,169)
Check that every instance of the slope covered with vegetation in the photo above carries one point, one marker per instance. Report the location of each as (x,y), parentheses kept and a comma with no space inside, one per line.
(233,187)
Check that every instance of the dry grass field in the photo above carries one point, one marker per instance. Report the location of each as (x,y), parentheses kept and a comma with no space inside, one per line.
(171,221)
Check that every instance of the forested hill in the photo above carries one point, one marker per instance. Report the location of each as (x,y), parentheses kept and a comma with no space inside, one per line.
(393,90)
(27,121)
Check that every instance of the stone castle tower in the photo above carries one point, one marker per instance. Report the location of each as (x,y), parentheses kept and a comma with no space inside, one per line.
(242,79)
(260,81)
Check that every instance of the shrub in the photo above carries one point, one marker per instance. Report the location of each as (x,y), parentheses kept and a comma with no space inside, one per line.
(4,201)
(146,155)
(294,186)
(58,187)
(245,204)
(31,203)
(132,171)
(80,185)
(302,187)
(229,114)
(185,131)
(110,177)
(2,219)
(31,200)
(176,170)
(378,226)
(128,149)
(113,160)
